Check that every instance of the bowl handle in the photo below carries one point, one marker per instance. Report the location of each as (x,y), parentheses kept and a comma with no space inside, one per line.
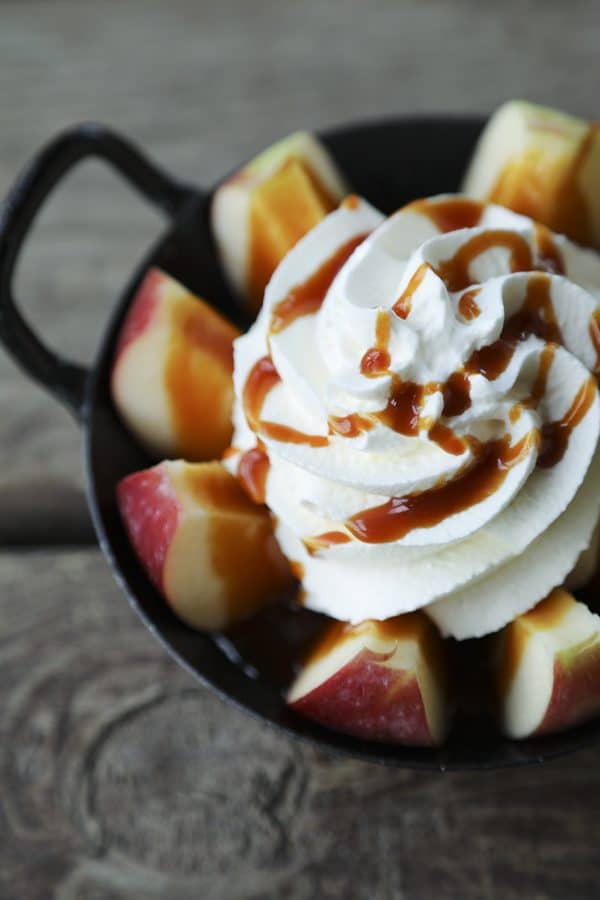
(64,379)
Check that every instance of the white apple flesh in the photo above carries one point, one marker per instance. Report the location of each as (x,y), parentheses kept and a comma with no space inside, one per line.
(204,544)
(542,163)
(548,667)
(172,374)
(382,681)
(265,208)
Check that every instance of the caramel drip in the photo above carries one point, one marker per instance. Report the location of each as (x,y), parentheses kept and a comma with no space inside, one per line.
(403,304)
(376,361)
(549,254)
(555,435)
(492,360)
(594,328)
(457,395)
(306,298)
(467,306)
(536,315)
(451,213)
(394,519)
(403,407)
(350,426)
(541,379)
(323,541)
(262,378)
(253,469)
(445,438)
(454,272)
(287,435)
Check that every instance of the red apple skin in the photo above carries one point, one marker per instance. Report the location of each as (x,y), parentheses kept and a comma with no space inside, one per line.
(205,545)
(172,373)
(363,699)
(575,694)
(142,310)
(151,525)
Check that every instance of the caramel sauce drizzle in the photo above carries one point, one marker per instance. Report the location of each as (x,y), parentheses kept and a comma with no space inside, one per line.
(594,328)
(541,379)
(262,378)
(376,361)
(549,254)
(403,304)
(451,213)
(404,406)
(457,395)
(480,479)
(536,315)
(323,541)
(350,426)
(306,298)
(253,468)
(454,272)
(467,306)
(555,435)
(446,439)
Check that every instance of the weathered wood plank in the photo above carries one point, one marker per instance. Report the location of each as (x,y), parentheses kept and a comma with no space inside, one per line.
(121,779)
(203,85)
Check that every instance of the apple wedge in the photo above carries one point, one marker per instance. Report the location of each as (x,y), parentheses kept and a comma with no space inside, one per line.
(265,208)
(172,374)
(382,681)
(548,667)
(544,164)
(204,544)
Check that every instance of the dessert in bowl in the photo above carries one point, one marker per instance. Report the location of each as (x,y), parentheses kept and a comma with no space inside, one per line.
(408,388)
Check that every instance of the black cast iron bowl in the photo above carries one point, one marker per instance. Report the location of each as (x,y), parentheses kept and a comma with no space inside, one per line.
(388,162)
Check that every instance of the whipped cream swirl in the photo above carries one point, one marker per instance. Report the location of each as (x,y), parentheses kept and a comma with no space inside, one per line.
(417,401)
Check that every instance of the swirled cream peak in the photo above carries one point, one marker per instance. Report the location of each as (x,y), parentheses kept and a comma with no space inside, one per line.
(416,403)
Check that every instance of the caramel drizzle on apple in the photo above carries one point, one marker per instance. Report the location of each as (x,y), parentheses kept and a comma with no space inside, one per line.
(306,298)
(522,187)
(200,335)
(276,223)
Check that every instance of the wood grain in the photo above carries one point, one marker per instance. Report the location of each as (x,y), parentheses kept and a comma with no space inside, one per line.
(119,778)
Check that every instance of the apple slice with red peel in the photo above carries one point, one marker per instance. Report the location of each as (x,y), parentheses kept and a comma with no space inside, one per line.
(382,681)
(204,544)
(548,667)
(265,208)
(542,163)
(172,375)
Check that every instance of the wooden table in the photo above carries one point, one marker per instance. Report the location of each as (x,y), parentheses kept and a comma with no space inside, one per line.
(119,778)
